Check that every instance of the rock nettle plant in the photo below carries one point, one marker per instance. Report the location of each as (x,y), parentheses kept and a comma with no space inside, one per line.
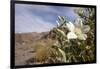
(72,40)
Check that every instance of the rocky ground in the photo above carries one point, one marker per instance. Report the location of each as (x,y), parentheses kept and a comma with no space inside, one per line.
(26,45)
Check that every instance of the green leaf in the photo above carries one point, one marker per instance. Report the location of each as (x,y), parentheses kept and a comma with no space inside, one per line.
(63,55)
(61,32)
(61,19)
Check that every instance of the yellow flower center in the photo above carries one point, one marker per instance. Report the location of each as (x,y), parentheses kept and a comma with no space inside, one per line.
(77,31)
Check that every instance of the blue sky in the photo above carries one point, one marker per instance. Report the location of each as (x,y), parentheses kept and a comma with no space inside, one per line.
(40,18)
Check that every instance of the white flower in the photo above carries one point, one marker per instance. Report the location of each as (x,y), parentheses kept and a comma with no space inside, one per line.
(71,34)
(77,30)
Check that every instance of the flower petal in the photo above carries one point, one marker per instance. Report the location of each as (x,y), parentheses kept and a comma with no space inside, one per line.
(78,23)
(71,35)
(70,26)
(82,37)
(85,29)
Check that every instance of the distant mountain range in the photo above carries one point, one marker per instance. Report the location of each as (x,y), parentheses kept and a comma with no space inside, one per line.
(33,36)
(22,38)
(26,37)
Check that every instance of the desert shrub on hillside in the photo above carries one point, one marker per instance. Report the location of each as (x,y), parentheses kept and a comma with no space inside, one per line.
(76,44)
